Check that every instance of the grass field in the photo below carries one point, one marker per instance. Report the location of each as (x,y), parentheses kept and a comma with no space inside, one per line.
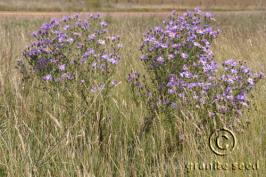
(128,5)
(40,137)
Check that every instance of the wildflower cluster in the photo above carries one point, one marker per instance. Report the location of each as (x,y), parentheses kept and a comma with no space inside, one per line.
(74,48)
(179,57)
(180,62)
(233,87)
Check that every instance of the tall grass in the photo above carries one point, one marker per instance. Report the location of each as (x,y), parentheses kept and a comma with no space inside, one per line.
(42,135)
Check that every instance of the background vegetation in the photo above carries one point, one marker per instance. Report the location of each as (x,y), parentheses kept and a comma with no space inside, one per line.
(128,5)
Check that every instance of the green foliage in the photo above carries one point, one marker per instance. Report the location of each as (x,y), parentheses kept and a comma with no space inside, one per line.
(2,172)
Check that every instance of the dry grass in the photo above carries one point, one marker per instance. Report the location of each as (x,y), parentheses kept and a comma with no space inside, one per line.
(39,137)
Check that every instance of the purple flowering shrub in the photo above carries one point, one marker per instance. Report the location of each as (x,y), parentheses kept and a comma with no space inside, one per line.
(183,73)
(74,59)
(74,49)
(179,57)
(233,88)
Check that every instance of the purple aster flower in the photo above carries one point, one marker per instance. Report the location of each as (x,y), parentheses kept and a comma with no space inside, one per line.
(160,60)
(80,45)
(66,76)
(144,57)
(97,88)
(94,65)
(230,62)
(197,44)
(133,76)
(65,18)
(233,71)
(52,60)
(92,37)
(184,55)
(103,24)
(46,26)
(171,56)
(172,81)
(164,46)
(114,38)
(61,37)
(35,34)
(62,67)
(66,27)
(41,64)
(70,40)
(186,74)
(259,75)
(244,69)
(171,91)
(251,81)
(105,57)
(101,42)
(113,61)
(114,82)
(48,77)
(241,96)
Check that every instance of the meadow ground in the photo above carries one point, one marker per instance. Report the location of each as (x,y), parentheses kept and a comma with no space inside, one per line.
(39,137)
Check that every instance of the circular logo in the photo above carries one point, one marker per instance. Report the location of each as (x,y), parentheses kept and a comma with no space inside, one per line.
(222,141)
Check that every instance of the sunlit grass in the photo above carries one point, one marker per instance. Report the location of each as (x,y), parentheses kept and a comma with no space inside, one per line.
(40,136)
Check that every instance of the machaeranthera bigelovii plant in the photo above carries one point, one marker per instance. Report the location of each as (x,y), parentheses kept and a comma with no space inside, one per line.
(183,73)
(76,57)
(74,49)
